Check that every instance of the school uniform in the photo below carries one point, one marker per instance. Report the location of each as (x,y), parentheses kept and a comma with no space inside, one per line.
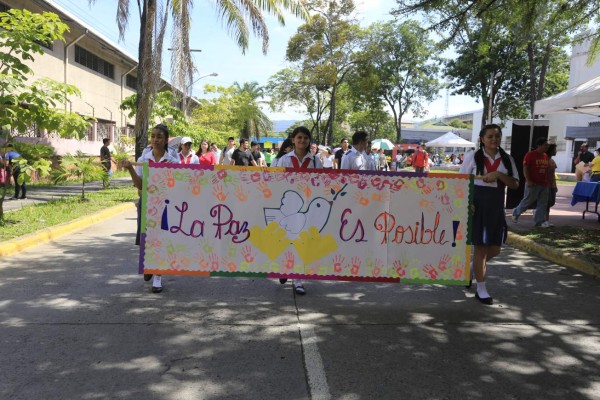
(148,157)
(489,222)
(291,160)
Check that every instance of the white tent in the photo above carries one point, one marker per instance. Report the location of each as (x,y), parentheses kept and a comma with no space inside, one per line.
(450,140)
(582,99)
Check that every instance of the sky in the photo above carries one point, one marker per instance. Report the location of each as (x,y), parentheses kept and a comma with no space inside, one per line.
(221,55)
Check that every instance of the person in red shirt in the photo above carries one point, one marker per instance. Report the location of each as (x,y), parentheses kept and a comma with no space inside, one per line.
(420,159)
(206,156)
(535,170)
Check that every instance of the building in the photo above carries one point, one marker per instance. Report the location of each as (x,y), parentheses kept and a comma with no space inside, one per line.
(103,71)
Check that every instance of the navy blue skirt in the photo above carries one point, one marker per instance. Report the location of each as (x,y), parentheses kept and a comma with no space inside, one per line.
(489,222)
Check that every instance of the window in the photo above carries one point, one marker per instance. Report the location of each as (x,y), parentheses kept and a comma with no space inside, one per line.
(508,143)
(131,81)
(93,62)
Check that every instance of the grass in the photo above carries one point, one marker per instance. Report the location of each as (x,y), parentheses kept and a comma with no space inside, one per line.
(569,240)
(39,216)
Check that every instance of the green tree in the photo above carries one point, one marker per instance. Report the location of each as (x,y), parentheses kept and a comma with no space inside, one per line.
(324,50)
(401,68)
(163,110)
(536,28)
(237,14)
(24,102)
(253,119)
(293,87)
(82,168)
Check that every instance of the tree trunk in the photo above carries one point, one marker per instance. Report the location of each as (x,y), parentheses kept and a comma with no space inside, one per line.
(144,70)
(532,80)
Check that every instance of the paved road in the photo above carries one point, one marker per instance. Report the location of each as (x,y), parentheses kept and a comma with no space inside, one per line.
(77,322)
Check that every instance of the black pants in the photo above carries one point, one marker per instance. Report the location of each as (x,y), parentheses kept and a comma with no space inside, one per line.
(19,188)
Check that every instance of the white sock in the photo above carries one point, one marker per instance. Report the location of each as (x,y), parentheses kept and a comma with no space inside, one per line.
(156,281)
(482,291)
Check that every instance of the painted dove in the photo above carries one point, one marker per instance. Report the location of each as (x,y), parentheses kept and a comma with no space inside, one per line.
(292,220)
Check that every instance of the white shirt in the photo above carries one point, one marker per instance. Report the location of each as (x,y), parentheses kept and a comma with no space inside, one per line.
(328,161)
(349,155)
(217,155)
(227,156)
(470,167)
(190,159)
(148,156)
(286,161)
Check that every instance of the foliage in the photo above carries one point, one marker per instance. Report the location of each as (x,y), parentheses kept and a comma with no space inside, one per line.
(457,123)
(323,52)
(292,87)
(80,167)
(253,119)
(163,111)
(26,103)
(153,22)
(483,30)
(232,111)
(401,68)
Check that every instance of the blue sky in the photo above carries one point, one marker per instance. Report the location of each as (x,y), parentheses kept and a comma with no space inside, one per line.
(220,54)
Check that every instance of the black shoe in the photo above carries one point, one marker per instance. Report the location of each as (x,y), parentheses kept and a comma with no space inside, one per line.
(23,197)
(147,277)
(13,198)
(282,281)
(156,289)
(487,301)
(300,290)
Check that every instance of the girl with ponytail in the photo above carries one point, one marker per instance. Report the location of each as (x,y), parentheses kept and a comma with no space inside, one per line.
(495,170)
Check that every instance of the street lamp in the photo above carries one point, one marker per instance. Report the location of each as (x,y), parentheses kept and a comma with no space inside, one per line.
(492,79)
(188,90)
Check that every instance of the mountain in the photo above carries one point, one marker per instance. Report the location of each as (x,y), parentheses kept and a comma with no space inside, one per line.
(281,126)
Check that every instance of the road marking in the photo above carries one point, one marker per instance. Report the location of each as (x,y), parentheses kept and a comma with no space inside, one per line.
(317,381)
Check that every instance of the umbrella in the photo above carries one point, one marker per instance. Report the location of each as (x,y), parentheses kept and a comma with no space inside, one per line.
(382,144)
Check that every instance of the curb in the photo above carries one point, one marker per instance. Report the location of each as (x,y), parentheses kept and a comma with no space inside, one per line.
(48,234)
(566,259)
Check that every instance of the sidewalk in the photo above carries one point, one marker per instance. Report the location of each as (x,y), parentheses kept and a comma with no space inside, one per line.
(37,195)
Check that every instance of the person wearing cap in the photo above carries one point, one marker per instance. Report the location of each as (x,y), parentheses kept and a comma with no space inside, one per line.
(186,155)
(242,156)
(227,152)
(205,156)
(535,170)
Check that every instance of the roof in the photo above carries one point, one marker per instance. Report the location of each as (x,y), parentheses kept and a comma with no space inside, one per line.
(582,99)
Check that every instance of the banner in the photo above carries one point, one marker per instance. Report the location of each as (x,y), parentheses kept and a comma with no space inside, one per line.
(322,224)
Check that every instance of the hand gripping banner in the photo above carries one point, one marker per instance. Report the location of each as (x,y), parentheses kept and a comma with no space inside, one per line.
(322,224)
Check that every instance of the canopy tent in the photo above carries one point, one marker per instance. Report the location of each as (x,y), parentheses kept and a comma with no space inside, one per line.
(450,140)
(582,99)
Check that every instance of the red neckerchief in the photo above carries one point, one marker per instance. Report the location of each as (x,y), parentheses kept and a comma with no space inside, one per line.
(297,165)
(492,167)
(185,160)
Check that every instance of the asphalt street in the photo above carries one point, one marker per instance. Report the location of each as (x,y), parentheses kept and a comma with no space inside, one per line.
(78,322)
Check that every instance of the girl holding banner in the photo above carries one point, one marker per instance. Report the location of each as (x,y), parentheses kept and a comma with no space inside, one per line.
(159,139)
(495,170)
(300,159)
